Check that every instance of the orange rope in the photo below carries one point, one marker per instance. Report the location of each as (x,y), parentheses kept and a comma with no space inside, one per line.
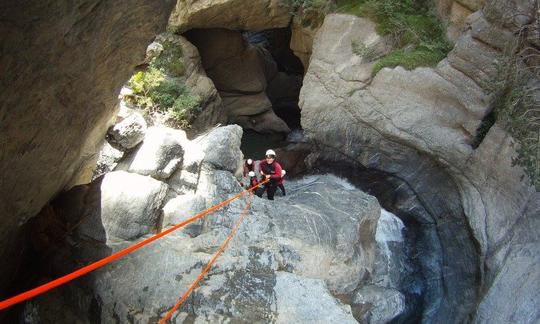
(210,263)
(100,263)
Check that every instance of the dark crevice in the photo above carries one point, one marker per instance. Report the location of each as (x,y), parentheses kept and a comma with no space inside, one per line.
(487,122)
(276,42)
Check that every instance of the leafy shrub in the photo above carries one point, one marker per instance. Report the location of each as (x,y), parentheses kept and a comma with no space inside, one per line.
(160,87)
(143,84)
(185,109)
(170,59)
(166,93)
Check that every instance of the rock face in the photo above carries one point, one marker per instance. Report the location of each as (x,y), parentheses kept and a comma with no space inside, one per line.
(416,128)
(60,79)
(290,259)
(302,41)
(455,12)
(231,14)
(202,86)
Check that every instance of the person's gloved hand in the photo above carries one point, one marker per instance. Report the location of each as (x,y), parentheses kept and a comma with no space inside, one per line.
(283,172)
(251,173)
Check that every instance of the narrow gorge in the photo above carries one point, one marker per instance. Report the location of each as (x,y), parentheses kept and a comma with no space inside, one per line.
(408,130)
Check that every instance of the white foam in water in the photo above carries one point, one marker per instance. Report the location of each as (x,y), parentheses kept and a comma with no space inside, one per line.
(389,228)
(296,136)
(325,178)
(342,182)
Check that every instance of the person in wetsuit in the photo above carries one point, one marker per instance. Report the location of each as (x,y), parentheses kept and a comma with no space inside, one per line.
(270,169)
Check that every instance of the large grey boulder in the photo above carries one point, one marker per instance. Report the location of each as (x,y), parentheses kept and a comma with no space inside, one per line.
(119,206)
(181,208)
(128,133)
(377,305)
(160,154)
(303,300)
(221,148)
(107,160)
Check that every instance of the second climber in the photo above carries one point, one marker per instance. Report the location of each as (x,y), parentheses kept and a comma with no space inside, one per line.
(270,169)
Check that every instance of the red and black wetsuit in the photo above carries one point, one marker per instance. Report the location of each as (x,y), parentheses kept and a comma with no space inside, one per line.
(274,171)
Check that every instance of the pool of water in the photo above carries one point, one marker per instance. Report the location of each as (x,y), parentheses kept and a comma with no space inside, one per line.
(254,144)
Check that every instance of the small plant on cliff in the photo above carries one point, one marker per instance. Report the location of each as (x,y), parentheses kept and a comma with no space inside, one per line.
(154,91)
(161,87)
(311,12)
(170,59)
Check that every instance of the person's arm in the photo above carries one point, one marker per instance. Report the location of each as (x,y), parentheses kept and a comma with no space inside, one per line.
(278,169)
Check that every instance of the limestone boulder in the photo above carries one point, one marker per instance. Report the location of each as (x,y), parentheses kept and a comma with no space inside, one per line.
(108,159)
(180,209)
(118,206)
(373,304)
(221,148)
(128,133)
(160,154)
(319,306)
(316,243)
(231,14)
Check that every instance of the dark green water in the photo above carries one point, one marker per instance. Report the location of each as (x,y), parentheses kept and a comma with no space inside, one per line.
(254,145)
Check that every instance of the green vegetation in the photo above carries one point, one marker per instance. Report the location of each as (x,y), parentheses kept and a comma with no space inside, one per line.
(418,35)
(170,59)
(161,88)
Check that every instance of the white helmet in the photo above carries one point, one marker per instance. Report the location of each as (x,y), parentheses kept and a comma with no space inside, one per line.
(283,172)
(270,152)
(251,173)
(249,161)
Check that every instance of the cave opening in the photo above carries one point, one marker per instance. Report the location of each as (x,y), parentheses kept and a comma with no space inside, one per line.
(283,92)
(258,78)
